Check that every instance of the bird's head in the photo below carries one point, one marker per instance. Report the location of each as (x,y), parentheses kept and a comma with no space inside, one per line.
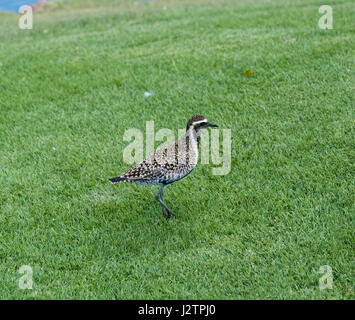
(198,122)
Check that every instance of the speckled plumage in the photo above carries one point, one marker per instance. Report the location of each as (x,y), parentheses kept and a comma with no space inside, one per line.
(170,163)
(166,165)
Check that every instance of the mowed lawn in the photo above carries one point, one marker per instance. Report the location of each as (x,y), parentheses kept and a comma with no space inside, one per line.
(73,85)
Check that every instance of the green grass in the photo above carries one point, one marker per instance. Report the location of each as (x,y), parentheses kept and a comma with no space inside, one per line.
(76,82)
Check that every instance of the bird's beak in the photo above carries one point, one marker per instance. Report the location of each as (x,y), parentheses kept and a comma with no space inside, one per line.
(209,124)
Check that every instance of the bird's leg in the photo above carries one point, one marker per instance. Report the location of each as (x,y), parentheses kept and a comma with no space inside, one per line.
(161,193)
(161,201)
(162,198)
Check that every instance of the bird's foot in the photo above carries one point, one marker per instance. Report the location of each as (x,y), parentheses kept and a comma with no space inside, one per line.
(171,214)
(167,213)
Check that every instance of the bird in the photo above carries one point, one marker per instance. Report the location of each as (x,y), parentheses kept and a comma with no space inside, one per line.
(170,163)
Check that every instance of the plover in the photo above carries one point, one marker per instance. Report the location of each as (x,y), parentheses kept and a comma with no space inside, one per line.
(170,163)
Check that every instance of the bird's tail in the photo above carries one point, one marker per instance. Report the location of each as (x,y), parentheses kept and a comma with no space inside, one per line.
(117,179)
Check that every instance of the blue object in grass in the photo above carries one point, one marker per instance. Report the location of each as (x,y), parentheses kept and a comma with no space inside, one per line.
(14,5)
